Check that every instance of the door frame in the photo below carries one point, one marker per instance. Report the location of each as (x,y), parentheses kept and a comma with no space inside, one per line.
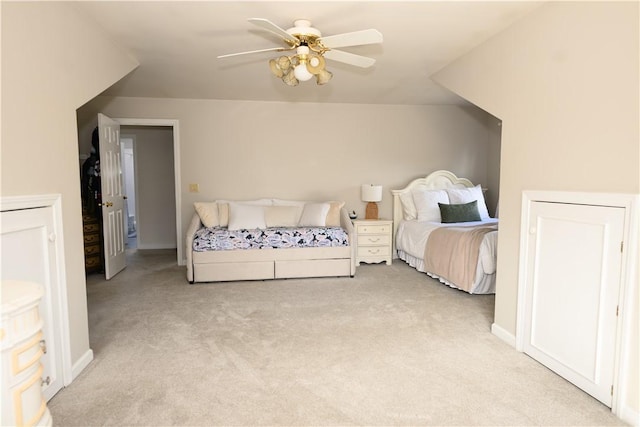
(175,125)
(628,276)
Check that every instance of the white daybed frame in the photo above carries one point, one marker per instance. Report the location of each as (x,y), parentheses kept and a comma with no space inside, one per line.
(264,264)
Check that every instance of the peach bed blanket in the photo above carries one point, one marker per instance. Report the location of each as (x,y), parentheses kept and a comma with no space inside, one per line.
(452,253)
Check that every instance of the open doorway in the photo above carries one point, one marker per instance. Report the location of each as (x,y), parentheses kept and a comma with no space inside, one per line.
(148,173)
(127,143)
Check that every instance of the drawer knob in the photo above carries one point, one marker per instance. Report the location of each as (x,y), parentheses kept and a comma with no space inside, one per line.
(374,251)
(374,240)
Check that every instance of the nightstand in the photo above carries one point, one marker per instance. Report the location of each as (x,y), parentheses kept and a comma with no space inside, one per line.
(374,240)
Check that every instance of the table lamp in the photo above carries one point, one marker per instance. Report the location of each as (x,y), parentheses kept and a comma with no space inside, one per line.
(371,194)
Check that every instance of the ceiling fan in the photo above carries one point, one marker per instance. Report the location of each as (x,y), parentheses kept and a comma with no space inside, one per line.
(311,49)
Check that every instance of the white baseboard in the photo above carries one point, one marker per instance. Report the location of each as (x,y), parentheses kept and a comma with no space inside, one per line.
(503,335)
(629,416)
(147,246)
(81,363)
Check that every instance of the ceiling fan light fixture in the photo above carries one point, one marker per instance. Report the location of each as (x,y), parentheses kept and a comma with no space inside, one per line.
(284,62)
(311,48)
(315,64)
(275,68)
(302,73)
(290,79)
(323,77)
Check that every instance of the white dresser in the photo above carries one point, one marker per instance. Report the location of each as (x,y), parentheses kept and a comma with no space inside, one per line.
(22,347)
(374,240)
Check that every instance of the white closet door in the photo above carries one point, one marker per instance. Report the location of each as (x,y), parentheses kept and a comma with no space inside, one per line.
(572,287)
(29,254)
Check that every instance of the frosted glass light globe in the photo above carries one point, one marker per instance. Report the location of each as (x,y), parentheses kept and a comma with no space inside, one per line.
(302,73)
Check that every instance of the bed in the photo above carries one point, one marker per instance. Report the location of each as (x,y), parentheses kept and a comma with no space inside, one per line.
(269,239)
(442,228)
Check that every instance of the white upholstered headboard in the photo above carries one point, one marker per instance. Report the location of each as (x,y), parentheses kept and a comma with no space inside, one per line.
(434,181)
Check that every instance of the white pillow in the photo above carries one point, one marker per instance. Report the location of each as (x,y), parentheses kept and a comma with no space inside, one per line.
(314,215)
(247,217)
(208,213)
(466,195)
(223,208)
(408,207)
(426,202)
(282,216)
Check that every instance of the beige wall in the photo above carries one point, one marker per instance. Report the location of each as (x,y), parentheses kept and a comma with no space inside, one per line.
(565,82)
(244,150)
(53,61)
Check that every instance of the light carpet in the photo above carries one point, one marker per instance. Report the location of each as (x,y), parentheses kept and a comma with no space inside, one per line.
(388,347)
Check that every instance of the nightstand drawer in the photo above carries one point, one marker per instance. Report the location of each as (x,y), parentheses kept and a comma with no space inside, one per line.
(373,229)
(373,251)
(373,239)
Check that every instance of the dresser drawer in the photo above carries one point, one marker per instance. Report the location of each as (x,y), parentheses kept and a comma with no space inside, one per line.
(26,355)
(92,250)
(373,229)
(368,251)
(373,239)
(92,262)
(28,406)
(91,238)
(91,228)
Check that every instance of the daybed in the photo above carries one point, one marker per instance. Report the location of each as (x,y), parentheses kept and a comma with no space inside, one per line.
(269,239)
(442,228)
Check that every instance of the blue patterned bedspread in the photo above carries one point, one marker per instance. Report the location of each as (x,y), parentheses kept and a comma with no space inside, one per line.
(221,238)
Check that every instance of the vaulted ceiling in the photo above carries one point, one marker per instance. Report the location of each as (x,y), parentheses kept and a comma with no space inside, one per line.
(177,42)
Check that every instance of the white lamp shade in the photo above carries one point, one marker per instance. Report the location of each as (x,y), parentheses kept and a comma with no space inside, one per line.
(371,193)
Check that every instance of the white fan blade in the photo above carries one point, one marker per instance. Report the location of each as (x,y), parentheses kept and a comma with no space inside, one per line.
(271,49)
(355,38)
(349,58)
(270,26)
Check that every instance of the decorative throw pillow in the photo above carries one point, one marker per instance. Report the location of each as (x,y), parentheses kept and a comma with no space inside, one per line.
(282,216)
(246,217)
(333,216)
(466,195)
(426,202)
(208,213)
(223,213)
(465,212)
(314,215)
